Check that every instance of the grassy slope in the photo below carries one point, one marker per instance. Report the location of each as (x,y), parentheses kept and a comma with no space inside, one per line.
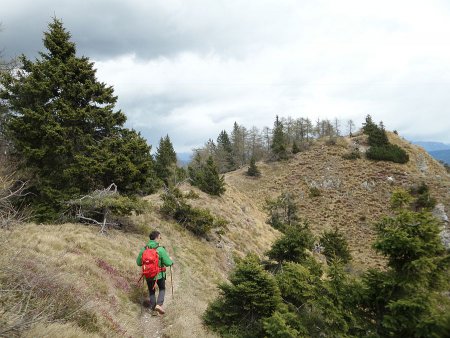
(94,275)
(354,193)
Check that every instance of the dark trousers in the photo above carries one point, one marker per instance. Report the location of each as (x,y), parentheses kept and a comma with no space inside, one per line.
(152,290)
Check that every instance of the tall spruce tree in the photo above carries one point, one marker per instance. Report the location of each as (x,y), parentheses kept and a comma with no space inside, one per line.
(406,299)
(165,160)
(213,183)
(238,135)
(224,153)
(64,128)
(195,171)
(278,145)
(205,175)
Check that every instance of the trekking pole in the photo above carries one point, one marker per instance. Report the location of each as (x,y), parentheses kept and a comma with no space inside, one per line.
(171,279)
(142,295)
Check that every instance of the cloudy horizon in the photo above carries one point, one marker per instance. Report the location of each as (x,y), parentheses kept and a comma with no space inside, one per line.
(189,69)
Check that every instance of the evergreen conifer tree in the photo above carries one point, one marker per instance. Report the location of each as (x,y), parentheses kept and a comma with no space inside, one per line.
(242,305)
(212,183)
(195,171)
(224,153)
(335,246)
(238,143)
(292,246)
(64,128)
(403,300)
(205,175)
(278,145)
(253,169)
(295,148)
(380,148)
(165,160)
(368,125)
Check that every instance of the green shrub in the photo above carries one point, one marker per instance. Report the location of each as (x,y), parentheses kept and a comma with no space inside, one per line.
(353,155)
(314,192)
(380,148)
(292,246)
(220,222)
(192,195)
(423,198)
(400,199)
(199,221)
(389,152)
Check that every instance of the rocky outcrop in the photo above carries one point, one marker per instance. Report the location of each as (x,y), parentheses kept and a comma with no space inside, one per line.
(422,163)
(439,213)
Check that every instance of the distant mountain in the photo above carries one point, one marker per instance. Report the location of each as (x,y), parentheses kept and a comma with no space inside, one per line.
(184,158)
(442,155)
(440,151)
(432,146)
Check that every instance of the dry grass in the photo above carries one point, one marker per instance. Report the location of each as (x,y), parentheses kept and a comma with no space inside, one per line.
(70,281)
(354,193)
(202,263)
(96,273)
(68,278)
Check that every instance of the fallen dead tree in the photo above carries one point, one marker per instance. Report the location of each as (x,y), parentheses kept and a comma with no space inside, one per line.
(11,191)
(102,207)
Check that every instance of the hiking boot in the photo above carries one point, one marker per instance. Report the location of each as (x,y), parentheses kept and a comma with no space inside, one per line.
(160,309)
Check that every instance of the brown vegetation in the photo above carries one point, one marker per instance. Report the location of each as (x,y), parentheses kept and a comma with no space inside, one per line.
(70,281)
(353,193)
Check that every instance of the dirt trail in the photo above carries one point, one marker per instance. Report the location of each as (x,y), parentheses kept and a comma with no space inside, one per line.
(154,326)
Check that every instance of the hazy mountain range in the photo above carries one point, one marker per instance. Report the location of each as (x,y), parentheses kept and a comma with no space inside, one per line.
(438,150)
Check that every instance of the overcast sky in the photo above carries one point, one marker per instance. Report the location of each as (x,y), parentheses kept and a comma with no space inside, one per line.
(190,68)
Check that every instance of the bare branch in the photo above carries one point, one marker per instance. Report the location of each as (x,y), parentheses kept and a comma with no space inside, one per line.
(10,190)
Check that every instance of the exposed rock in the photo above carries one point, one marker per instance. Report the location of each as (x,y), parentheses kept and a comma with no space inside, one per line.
(439,213)
(422,163)
(326,183)
(368,185)
(331,183)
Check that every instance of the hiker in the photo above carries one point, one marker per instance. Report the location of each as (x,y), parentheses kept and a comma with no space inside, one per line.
(160,279)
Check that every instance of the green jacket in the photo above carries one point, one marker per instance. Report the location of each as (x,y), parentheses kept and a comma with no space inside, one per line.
(164,259)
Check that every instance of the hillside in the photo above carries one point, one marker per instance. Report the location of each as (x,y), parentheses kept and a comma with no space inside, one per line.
(69,281)
(354,193)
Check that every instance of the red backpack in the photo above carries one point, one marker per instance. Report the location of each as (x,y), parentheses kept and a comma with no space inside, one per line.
(150,263)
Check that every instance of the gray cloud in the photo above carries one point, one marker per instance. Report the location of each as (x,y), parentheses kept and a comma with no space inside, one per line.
(191,68)
(107,28)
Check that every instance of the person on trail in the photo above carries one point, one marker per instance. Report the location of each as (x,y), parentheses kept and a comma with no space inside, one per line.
(160,279)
